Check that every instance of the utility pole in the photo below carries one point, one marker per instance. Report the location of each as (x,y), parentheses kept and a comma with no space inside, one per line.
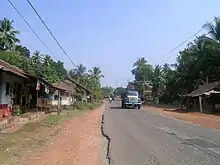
(207,79)
(143,86)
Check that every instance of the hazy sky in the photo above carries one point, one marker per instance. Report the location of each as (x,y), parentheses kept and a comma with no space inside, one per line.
(111,34)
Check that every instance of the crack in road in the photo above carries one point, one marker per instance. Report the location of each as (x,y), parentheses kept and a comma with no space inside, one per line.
(105,135)
(200,144)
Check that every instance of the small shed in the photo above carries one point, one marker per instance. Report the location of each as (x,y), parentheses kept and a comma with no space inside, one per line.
(207,97)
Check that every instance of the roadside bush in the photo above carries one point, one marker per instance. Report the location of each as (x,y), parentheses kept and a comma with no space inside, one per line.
(16,110)
(90,105)
(78,105)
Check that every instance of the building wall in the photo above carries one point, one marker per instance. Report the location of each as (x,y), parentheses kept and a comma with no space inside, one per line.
(65,100)
(11,79)
(1,86)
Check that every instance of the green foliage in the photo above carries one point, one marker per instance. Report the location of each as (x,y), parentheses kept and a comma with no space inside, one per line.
(106,91)
(79,105)
(8,36)
(90,79)
(23,51)
(14,58)
(42,65)
(142,70)
(52,119)
(91,105)
(119,91)
(198,63)
(16,110)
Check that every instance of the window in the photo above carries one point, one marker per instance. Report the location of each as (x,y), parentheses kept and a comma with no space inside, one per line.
(132,93)
(7,88)
(56,97)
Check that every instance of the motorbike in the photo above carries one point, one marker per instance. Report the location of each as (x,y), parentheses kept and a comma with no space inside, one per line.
(110,100)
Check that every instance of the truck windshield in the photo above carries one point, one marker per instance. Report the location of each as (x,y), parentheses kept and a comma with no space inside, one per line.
(132,93)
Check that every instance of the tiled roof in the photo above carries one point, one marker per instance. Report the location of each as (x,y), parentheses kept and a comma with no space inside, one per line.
(64,85)
(78,84)
(12,69)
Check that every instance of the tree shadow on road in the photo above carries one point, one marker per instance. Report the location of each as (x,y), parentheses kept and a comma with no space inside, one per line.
(115,108)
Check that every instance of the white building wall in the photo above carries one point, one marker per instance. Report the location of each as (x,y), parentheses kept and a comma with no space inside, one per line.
(54,102)
(64,100)
(11,79)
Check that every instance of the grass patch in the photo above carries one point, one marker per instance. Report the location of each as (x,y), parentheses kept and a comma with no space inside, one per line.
(12,144)
(35,135)
(31,136)
(53,119)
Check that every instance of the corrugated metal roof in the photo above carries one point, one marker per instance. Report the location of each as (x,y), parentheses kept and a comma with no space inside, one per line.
(204,88)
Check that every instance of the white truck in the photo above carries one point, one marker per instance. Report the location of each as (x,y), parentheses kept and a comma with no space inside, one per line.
(131,99)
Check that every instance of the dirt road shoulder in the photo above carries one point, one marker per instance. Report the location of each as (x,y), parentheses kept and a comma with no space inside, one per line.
(205,120)
(78,143)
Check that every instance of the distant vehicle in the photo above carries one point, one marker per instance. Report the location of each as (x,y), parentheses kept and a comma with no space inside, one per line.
(131,99)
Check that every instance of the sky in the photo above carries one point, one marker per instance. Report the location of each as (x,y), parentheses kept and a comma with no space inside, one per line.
(111,34)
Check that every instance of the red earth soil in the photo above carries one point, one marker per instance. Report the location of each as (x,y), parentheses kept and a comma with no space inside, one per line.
(206,120)
(77,144)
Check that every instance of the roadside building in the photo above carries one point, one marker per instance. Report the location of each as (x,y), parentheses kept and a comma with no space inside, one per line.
(64,93)
(205,99)
(12,88)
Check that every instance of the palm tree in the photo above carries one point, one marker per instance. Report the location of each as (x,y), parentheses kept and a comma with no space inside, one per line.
(24,51)
(158,81)
(37,57)
(80,70)
(140,61)
(79,73)
(37,63)
(47,60)
(96,73)
(140,64)
(214,29)
(8,36)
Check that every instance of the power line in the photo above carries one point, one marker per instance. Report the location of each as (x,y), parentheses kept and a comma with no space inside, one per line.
(181,44)
(48,29)
(31,29)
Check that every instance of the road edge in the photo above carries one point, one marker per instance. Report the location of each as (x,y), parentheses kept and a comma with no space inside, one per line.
(107,138)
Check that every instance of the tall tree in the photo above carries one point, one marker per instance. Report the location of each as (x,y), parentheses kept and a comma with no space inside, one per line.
(36,60)
(48,69)
(214,29)
(78,72)
(59,66)
(158,82)
(96,72)
(42,65)
(142,70)
(23,50)
(106,91)
(8,36)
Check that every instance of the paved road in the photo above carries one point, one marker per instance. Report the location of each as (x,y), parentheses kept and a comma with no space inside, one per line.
(143,137)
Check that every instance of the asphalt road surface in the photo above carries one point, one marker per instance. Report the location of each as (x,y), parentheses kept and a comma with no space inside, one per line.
(143,137)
